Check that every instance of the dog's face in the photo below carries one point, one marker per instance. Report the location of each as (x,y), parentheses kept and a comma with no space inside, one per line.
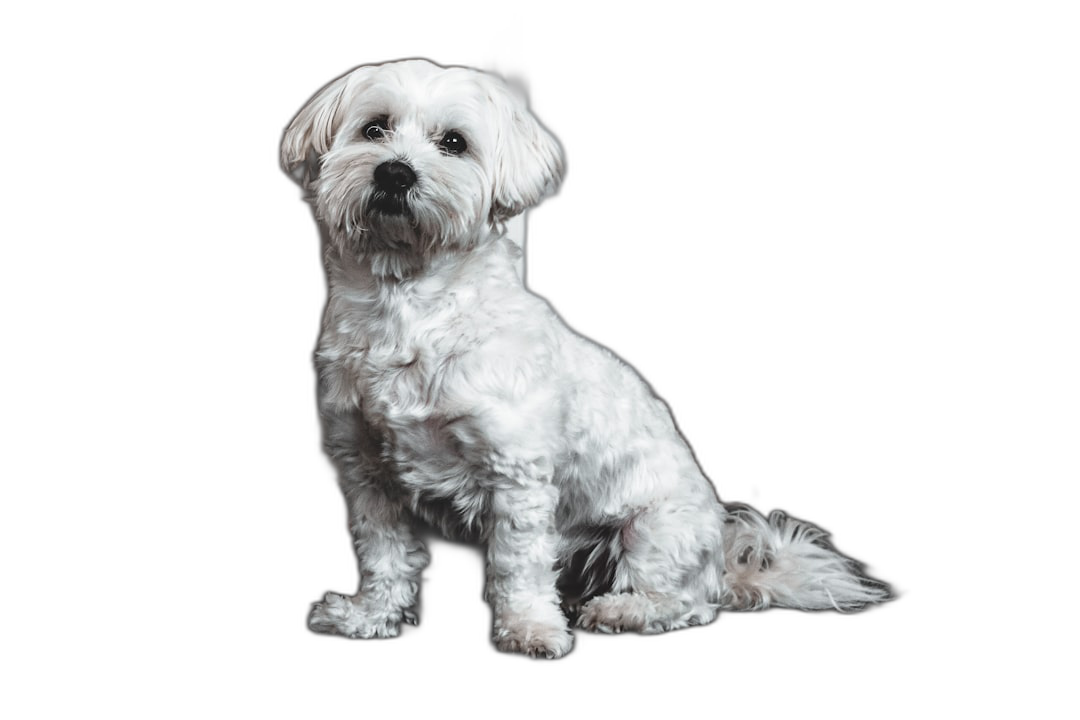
(409,157)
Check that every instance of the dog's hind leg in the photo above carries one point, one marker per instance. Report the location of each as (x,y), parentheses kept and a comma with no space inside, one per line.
(668,572)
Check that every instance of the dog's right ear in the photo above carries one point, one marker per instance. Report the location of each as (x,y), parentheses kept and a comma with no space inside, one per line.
(311,132)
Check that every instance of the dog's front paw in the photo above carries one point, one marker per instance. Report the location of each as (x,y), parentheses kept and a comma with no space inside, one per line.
(341,615)
(536,637)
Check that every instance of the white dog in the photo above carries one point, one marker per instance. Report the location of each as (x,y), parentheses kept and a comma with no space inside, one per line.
(453,396)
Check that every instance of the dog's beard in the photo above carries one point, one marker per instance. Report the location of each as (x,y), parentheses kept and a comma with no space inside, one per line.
(391,204)
(399,232)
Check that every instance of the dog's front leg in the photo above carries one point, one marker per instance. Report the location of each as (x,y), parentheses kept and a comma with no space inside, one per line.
(390,559)
(521,571)
(389,554)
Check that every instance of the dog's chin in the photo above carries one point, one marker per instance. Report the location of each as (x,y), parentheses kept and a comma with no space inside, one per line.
(401,233)
(388,205)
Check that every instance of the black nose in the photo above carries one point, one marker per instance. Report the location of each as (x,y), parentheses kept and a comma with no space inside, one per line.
(394,177)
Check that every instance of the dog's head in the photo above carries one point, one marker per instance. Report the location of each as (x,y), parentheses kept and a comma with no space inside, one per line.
(410,156)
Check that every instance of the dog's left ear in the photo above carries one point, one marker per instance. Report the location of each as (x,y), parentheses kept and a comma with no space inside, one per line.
(528,159)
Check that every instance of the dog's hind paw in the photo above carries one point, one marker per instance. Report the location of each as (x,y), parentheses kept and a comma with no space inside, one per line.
(614,613)
(638,612)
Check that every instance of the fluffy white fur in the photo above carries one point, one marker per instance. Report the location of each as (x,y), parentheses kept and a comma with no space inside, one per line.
(454,397)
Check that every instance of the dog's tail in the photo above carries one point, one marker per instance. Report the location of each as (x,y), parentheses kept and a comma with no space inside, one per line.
(785,562)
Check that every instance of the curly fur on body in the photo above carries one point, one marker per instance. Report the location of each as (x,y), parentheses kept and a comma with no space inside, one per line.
(453,396)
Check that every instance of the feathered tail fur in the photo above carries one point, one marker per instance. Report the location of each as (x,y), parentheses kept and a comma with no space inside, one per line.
(785,562)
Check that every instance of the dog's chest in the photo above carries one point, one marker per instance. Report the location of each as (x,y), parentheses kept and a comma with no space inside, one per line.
(398,356)
(402,363)
(454,374)
(421,360)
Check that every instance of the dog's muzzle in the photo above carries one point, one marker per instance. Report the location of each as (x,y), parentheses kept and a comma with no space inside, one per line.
(392,182)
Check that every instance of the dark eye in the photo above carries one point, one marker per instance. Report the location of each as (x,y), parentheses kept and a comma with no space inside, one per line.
(375,130)
(453,143)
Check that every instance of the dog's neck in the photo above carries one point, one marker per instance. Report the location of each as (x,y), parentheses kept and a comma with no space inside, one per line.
(376,310)
(493,260)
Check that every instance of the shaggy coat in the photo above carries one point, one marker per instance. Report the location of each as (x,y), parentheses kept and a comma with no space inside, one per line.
(454,397)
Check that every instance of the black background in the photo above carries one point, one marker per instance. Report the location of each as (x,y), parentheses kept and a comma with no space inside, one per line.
(751,219)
